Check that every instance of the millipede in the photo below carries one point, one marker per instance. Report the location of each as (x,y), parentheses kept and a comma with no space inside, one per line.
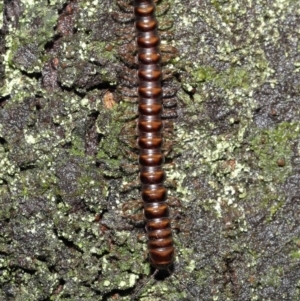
(150,139)
(144,79)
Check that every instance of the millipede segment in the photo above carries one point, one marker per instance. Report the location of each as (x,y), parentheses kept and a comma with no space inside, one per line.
(150,140)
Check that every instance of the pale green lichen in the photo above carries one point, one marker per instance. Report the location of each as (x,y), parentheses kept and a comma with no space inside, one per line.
(223,157)
(271,145)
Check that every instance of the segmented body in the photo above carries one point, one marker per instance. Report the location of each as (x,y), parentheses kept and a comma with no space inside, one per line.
(150,140)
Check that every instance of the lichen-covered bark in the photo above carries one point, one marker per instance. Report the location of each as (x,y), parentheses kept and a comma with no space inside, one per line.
(67,158)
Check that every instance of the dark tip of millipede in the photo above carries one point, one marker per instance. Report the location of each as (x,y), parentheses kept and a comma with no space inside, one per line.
(163,274)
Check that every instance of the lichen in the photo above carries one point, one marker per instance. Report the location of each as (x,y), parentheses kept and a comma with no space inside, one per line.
(65,156)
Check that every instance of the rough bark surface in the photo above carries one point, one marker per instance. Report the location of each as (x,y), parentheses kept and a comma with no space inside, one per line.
(67,154)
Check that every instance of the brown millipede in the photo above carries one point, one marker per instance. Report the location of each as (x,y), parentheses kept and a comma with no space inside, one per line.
(150,140)
(155,92)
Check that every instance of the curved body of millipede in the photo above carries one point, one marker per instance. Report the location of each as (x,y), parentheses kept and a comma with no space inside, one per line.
(150,140)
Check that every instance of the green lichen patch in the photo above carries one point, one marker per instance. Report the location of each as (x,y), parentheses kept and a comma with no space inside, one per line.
(118,136)
(273,145)
(35,29)
(1,15)
(80,64)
